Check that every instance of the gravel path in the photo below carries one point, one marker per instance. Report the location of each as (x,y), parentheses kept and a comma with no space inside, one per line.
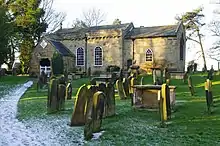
(52,130)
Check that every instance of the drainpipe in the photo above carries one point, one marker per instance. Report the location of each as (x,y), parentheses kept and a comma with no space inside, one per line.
(86,54)
(133,49)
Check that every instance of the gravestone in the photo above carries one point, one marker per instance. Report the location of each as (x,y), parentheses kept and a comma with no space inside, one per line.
(94,115)
(120,88)
(209,96)
(110,99)
(69,91)
(102,88)
(126,86)
(61,96)
(78,117)
(42,80)
(52,96)
(190,85)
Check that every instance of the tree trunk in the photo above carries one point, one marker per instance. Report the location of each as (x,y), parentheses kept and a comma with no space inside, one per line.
(202,49)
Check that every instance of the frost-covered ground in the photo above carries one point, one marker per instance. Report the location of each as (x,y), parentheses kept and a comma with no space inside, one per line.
(47,131)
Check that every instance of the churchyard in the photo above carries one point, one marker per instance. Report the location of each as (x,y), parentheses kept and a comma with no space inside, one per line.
(190,122)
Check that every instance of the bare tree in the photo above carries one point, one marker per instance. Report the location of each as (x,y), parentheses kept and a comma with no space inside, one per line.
(93,17)
(51,17)
(117,22)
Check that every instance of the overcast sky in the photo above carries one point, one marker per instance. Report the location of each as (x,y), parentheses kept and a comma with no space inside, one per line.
(140,12)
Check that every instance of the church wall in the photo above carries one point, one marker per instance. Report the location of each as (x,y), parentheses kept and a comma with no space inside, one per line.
(128,49)
(112,52)
(72,45)
(165,50)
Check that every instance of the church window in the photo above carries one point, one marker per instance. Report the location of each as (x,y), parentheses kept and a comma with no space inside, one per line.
(98,56)
(149,55)
(181,48)
(80,57)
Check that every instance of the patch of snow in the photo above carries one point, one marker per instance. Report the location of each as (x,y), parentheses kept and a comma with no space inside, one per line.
(49,130)
(97,135)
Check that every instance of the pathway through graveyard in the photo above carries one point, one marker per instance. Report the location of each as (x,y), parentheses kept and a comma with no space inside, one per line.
(52,130)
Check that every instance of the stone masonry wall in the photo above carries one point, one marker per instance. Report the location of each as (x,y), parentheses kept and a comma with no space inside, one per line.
(112,52)
(38,54)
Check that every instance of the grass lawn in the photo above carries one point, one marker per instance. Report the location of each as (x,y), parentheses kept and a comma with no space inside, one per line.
(190,124)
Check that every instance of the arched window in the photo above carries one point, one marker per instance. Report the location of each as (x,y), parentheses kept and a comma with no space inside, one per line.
(98,56)
(80,57)
(149,55)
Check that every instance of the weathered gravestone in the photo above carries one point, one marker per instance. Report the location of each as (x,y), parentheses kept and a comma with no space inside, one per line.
(209,96)
(52,96)
(42,80)
(164,104)
(190,85)
(78,117)
(120,88)
(61,97)
(110,99)
(56,95)
(94,115)
(126,87)
(133,81)
(69,91)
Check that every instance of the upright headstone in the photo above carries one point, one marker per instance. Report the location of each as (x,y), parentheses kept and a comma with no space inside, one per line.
(126,87)
(69,91)
(78,117)
(190,85)
(52,96)
(61,96)
(120,88)
(94,113)
(208,92)
(110,100)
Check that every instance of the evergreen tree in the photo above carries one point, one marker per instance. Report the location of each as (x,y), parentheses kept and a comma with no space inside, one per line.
(29,25)
(6,32)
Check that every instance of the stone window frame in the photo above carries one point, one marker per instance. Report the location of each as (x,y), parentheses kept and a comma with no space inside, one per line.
(77,58)
(149,54)
(95,58)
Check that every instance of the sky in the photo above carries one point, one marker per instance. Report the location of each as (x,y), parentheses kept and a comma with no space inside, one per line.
(141,13)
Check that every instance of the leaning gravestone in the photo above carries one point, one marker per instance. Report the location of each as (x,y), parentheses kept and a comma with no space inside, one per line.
(94,115)
(78,117)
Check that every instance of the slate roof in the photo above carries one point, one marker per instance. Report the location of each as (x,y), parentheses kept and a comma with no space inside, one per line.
(120,26)
(80,33)
(155,31)
(61,48)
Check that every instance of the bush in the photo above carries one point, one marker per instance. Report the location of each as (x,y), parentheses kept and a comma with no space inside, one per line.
(57,64)
(113,68)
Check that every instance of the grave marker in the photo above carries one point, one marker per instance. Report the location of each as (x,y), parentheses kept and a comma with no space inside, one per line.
(190,85)
(78,117)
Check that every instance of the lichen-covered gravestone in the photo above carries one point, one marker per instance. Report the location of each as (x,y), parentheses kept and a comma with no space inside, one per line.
(94,115)
(78,117)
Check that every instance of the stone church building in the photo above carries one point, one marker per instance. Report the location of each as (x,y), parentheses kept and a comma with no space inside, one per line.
(100,46)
